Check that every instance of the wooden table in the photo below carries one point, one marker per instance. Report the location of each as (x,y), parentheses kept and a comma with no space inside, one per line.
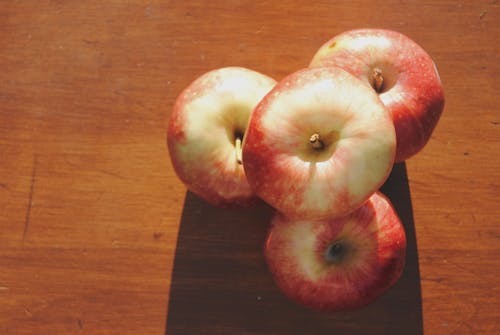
(90,207)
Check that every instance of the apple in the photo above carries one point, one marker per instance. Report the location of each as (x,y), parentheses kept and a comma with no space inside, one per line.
(206,130)
(338,264)
(400,71)
(318,144)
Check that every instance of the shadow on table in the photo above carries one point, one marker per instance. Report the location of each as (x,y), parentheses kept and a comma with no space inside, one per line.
(220,283)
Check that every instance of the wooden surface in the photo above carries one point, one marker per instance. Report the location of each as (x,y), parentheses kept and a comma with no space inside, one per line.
(90,207)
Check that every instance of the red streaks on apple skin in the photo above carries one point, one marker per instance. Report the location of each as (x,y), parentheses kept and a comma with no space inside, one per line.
(177,121)
(285,179)
(258,158)
(202,184)
(417,110)
(345,201)
(374,263)
(213,179)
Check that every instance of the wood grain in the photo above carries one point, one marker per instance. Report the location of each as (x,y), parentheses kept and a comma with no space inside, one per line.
(90,207)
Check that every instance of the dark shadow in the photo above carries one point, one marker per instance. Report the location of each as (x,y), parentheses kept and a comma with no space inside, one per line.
(221,285)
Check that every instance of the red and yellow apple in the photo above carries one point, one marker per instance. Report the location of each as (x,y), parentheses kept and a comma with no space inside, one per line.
(341,263)
(318,144)
(400,71)
(206,129)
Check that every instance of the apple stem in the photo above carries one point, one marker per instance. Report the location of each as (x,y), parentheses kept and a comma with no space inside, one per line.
(237,145)
(377,80)
(316,142)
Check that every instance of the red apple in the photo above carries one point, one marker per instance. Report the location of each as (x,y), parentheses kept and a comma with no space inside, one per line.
(319,144)
(206,129)
(400,71)
(341,263)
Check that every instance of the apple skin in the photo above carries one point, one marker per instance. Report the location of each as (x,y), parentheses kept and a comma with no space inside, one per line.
(206,119)
(413,91)
(299,181)
(371,260)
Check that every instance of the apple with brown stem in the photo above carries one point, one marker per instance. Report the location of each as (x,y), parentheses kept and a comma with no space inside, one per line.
(318,144)
(400,71)
(206,130)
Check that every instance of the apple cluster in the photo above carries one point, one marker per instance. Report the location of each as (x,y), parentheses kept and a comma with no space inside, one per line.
(316,146)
